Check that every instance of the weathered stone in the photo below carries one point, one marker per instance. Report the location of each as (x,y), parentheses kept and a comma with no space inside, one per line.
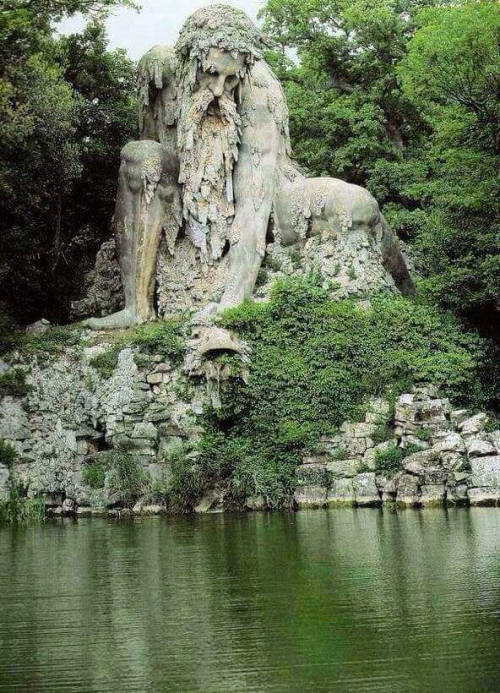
(310,496)
(256,503)
(38,327)
(344,468)
(4,482)
(155,378)
(13,420)
(68,507)
(365,489)
(452,442)
(486,472)
(341,493)
(494,437)
(314,474)
(457,493)
(211,501)
(473,425)
(486,495)
(358,430)
(419,462)
(407,490)
(147,431)
(476,447)
(458,416)
(432,494)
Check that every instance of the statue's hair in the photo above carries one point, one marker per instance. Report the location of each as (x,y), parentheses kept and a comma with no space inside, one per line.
(220,26)
(216,26)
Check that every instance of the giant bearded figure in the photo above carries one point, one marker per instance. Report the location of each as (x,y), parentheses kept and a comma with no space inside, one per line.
(214,164)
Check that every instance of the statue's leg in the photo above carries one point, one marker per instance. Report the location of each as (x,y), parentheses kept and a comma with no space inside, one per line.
(394,261)
(147,182)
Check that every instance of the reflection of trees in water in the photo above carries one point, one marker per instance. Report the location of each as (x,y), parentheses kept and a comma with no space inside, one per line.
(227,602)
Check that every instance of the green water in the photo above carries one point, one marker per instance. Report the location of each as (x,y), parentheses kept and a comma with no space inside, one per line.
(345,600)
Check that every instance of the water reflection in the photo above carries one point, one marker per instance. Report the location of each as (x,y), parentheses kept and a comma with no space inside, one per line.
(344,600)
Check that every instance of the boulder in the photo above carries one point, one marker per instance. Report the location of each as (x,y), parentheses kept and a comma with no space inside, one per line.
(310,496)
(256,503)
(484,495)
(478,447)
(473,425)
(407,490)
(341,493)
(365,489)
(432,494)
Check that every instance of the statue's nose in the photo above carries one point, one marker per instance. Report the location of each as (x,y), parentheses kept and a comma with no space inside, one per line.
(218,87)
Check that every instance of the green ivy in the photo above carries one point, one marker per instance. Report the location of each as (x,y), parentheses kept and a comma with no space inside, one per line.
(315,362)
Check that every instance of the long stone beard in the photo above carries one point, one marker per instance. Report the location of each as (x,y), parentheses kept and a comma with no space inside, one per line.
(208,146)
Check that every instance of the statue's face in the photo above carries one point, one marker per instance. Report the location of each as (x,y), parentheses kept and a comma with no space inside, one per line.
(221,74)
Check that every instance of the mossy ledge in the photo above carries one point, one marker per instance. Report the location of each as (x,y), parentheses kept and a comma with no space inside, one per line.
(344,402)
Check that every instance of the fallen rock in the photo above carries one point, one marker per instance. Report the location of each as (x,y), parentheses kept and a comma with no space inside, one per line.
(38,327)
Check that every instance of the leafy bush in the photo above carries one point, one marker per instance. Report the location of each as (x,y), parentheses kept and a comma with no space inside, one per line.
(106,362)
(314,362)
(388,461)
(164,338)
(13,382)
(7,454)
(94,476)
(18,510)
(125,476)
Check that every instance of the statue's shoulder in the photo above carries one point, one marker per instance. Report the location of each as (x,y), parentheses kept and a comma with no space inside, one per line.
(264,90)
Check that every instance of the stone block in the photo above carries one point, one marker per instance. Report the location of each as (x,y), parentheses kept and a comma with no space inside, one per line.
(432,494)
(484,496)
(486,472)
(146,431)
(451,442)
(155,378)
(341,493)
(408,490)
(358,430)
(473,425)
(255,503)
(343,468)
(310,496)
(478,447)
(365,489)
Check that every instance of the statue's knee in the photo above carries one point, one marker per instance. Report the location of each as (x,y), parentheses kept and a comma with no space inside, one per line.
(147,159)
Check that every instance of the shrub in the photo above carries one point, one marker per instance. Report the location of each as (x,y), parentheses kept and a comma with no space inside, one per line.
(106,362)
(7,454)
(13,382)
(94,476)
(18,510)
(163,338)
(314,362)
(388,461)
(126,476)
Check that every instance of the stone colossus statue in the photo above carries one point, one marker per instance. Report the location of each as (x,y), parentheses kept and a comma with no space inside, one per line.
(213,166)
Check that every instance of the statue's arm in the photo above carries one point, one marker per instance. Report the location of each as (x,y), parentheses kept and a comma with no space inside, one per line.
(254,182)
(157,95)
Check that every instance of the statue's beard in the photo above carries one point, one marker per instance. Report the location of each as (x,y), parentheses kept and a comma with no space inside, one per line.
(209,135)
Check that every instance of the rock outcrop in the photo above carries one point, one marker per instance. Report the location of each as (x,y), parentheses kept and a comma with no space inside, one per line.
(432,454)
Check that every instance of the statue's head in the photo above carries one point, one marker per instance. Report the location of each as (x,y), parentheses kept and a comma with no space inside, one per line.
(216,47)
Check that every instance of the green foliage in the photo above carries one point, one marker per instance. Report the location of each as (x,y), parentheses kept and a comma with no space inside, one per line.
(18,510)
(52,342)
(423,434)
(164,338)
(314,362)
(13,382)
(106,362)
(402,97)
(66,108)
(94,476)
(388,462)
(125,474)
(7,454)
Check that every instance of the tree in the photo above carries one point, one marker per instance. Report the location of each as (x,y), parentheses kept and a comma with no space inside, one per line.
(66,108)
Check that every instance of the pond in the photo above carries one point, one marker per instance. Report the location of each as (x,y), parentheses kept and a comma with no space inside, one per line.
(340,600)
